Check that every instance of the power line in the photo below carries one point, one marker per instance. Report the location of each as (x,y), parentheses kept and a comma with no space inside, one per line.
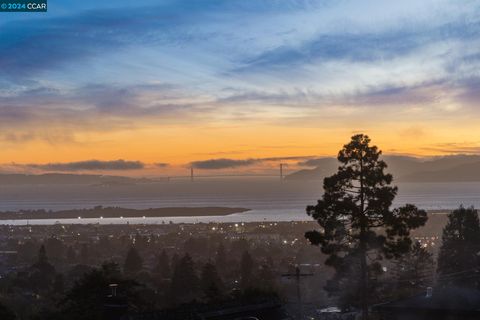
(452,275)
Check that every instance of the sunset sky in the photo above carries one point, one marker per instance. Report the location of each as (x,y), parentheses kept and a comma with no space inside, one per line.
(161,84)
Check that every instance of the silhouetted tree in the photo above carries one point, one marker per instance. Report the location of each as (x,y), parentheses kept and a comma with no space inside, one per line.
(78,271)
(162,268)
(175,259)
(42,272)
(27,251)
(184,285)
(71,255)
(105,244)
(55,248)
(238,247)
(246,271)
(84,254)
(221,259)
(266,278)
(211,284)
(459,257)
(355,204)
(58,284)
(196,246)
(133,262)
(141,242)
(414,271)
(88,296)
(42,256)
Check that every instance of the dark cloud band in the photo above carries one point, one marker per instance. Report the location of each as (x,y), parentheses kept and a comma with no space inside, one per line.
(89,165)
(225,163)
(222,163)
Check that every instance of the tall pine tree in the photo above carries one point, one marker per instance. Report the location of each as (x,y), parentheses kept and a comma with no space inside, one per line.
(246,271)
(162,268)
(133,262)
(211,283)
(459,257)
(42,273)
(185,283)
(357,226)
(221,259)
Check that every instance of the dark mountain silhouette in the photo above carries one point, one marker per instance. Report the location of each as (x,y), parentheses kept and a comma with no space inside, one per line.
(455,168)
(466,173)
(324,167)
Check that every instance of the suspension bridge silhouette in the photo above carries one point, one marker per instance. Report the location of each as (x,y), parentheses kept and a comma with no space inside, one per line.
(192,176)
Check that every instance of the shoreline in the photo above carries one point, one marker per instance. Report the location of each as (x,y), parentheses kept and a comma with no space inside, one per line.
(202,215)
(116,212)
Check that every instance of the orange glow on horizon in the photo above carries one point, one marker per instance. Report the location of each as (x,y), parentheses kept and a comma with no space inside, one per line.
(180,145)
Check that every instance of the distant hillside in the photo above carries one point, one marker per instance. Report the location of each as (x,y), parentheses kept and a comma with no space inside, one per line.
(60,178)
(455,168)
(324,167)
(464,173)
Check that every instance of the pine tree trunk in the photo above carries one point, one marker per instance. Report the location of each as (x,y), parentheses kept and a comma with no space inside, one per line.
(364,279)
(363,247)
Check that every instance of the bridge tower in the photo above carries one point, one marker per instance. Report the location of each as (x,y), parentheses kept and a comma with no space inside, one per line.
(281,171)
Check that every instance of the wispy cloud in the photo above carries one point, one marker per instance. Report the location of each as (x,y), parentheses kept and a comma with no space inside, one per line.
(222,163)
(24,115)
(360,47)
(30,47)
(455,148)
(215,63)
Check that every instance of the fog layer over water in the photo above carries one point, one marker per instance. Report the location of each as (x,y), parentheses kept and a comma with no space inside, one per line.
(268,199)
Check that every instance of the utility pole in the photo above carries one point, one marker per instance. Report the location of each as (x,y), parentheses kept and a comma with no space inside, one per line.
(281,171)
(191,174)
(297,276)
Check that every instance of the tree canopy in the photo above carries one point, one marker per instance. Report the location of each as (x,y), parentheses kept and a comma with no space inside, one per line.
(357,224)
(246,270)
(162,268)
(414,271)
(211,283)
(185,283)
(88,296)
(459,257)
(133,262)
